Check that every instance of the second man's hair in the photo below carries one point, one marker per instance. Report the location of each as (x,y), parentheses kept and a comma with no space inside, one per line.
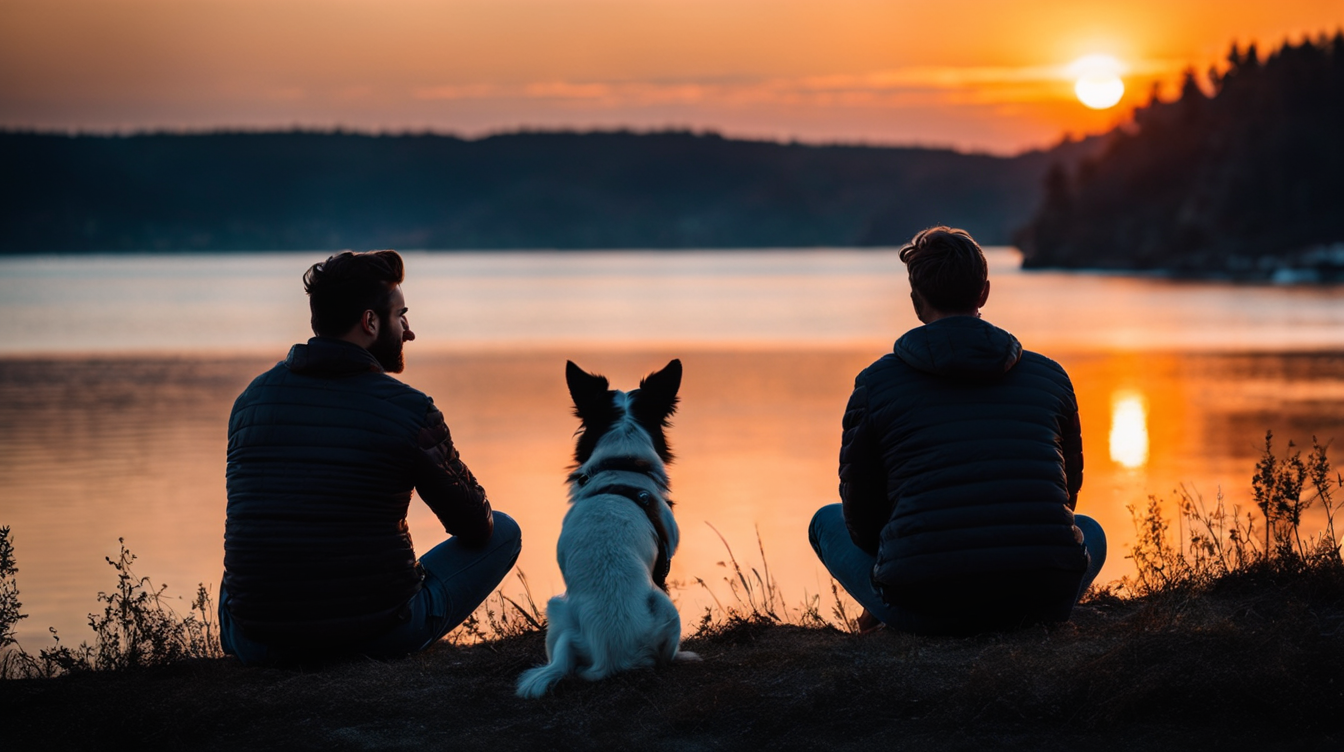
(947,268)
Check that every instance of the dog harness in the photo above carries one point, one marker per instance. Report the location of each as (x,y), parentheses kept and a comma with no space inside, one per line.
(642,498)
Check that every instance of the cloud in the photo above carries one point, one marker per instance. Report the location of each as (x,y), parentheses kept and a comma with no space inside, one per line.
(898,87)
(566,90)
(461,91)
(354,93)
(286,94)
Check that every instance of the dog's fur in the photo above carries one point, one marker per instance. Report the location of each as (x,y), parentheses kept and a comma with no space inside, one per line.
(612,616)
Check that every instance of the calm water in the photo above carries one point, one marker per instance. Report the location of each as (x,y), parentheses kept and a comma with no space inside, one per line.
(117,375)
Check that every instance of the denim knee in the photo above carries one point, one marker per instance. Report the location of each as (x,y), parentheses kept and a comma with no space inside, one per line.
(826,517)
(1094,537)
(507,532)
(1094,540)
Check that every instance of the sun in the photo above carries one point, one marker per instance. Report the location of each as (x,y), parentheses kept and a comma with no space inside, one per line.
(1097,81)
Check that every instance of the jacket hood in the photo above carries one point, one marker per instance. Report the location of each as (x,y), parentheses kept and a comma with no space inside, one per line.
(962,347)
(326,356)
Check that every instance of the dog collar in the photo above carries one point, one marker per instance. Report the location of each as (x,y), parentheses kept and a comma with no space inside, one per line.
(629,464)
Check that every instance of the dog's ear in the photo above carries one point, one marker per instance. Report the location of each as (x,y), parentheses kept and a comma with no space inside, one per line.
(658,393)
(589,391)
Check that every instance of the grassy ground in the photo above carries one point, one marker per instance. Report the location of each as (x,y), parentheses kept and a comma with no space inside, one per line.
(1255,663)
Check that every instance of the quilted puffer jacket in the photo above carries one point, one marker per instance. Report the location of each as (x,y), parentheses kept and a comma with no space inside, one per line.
(960,466)
(324,450)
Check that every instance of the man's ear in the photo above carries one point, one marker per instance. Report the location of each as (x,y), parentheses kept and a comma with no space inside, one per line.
(984,296)
(368,323)
(918,301)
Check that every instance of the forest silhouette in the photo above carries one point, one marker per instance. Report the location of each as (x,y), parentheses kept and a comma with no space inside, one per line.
(310,191)
(1244,180)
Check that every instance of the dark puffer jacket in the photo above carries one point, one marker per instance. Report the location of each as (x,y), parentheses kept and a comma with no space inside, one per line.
(324,450)
(960,467)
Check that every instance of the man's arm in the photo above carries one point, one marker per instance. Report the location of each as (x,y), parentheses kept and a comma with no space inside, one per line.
(863,479)
(1071,432)
(447,486)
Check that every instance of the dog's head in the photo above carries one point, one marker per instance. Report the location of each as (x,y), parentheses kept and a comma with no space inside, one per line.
(626,416)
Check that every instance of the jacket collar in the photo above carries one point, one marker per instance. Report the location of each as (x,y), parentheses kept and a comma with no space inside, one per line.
(328,356)
(963,347)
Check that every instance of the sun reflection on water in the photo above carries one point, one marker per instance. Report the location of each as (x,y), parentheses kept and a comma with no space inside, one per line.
(1129,429)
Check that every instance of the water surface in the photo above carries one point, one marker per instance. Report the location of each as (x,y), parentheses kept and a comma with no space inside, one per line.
(118,374)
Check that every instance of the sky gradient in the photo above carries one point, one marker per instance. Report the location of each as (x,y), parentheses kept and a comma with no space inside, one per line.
(971,74)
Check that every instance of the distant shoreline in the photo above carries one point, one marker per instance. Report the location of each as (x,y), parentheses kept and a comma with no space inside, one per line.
(1323,267)
(294,190)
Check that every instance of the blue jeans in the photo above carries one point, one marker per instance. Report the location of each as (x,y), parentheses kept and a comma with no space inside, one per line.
(852,567)
(457,580)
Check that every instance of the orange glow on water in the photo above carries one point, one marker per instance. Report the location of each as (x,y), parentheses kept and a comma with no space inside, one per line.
(1129,430)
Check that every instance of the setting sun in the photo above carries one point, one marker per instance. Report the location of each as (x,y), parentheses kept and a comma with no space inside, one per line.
(1097,81)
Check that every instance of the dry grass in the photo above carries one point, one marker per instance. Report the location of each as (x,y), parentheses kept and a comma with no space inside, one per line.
(756,599)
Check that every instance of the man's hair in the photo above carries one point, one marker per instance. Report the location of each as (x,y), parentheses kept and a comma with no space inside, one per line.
(947,268)
(346,285)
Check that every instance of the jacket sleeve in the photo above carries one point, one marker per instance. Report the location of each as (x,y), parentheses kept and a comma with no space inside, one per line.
(863,479)
(1071,445)
(447,486)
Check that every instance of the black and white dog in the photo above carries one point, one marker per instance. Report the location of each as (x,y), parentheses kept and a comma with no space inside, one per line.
(617,539)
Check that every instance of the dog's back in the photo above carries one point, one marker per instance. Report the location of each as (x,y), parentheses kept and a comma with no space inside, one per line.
(622,620)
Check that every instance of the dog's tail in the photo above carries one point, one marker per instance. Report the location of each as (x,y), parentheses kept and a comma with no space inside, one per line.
(536,682)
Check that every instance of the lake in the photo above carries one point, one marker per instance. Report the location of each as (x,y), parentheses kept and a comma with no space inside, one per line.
(117,374)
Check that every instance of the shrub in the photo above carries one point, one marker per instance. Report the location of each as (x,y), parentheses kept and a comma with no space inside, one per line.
(1215,543)
(13,661)
(137,628)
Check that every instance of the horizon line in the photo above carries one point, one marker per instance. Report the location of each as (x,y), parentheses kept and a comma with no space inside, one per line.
(1063,139)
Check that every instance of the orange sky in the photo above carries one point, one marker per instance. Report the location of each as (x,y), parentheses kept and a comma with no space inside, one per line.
(974,74)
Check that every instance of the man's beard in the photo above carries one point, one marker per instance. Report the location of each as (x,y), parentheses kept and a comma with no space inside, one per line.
(387,350)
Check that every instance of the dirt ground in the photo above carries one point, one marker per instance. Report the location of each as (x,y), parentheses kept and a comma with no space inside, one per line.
(1257,669)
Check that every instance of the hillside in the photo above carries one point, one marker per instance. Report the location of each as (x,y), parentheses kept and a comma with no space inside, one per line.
(313,191)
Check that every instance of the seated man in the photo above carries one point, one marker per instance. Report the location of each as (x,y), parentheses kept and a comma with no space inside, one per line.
(960,465)
(324,450)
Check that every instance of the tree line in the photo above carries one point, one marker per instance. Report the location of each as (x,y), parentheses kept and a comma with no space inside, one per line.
(331,190)
(1244,178)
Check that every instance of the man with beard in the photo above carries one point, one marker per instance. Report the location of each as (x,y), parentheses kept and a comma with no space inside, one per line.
(324,451)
